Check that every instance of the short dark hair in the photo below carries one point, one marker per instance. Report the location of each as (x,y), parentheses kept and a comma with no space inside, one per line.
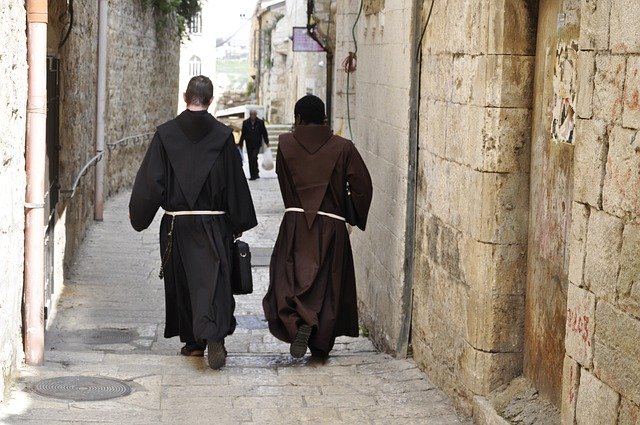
(310,109)
(199,91)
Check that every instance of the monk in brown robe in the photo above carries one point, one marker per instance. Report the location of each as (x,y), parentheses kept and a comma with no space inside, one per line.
(312,292)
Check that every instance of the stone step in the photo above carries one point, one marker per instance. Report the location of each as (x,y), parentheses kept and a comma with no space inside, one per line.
(275,130)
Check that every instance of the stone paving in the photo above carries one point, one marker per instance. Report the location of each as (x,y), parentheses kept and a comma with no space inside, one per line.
(109,323)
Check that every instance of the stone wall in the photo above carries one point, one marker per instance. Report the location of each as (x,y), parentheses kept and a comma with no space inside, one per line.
(602,362)
(142,93)
(343,90)
(13,98)
(473,166)
(142,86)
(275,76)
(381,133)
(78,64)
(501,170)
(285,75)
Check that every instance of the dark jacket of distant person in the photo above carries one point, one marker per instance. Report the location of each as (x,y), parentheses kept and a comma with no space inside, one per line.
(254,132)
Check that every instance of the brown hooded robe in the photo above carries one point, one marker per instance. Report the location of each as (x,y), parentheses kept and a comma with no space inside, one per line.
(312,277)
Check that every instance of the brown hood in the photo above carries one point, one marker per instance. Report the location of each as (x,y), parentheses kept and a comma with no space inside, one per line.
(311,153)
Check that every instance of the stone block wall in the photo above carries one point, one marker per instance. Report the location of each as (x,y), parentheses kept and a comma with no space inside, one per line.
(346,15)
(602,362)
(381,134)
(78,64)
(142,86)
(285,75)
(472,207)
(13,106)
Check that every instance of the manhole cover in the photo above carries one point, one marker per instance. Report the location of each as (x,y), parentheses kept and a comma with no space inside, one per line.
(82,388)
(251,322)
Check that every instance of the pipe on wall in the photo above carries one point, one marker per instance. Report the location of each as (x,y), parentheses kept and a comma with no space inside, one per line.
(35,158)
(404,339)
(101,99)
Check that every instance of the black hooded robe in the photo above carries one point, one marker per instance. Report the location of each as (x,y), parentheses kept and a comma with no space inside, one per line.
(183,171)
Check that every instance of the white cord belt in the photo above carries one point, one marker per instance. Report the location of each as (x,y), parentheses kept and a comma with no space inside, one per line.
(300,210)
(177,213)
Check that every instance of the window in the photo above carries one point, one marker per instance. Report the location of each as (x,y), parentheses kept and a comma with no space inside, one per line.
(195,66)
(195,25)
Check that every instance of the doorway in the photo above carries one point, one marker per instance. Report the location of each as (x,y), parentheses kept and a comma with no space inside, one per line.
(551,182)
(52,186)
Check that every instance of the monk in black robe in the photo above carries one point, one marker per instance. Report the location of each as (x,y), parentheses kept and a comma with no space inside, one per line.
(192,170)
(312,292)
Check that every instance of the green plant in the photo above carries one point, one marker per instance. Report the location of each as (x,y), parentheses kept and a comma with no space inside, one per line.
(251,87)
(185,10)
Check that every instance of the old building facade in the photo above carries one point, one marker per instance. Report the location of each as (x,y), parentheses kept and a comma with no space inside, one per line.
(142,54)
(501,137)
(281,75)
(198,50)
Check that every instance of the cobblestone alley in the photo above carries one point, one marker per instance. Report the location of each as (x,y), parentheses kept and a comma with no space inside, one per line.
(109,323)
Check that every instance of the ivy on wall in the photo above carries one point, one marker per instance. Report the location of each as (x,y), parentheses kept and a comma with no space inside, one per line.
(185,10)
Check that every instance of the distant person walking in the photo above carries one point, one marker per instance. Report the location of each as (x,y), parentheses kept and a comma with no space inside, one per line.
(253,132)
(312,290)
(192,170)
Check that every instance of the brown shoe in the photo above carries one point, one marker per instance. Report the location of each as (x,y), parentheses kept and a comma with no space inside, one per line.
(216,354)
(300,344)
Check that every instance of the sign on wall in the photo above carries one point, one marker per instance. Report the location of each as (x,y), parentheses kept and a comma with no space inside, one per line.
(303,42)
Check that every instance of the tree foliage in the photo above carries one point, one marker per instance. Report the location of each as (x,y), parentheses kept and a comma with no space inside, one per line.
(185,10)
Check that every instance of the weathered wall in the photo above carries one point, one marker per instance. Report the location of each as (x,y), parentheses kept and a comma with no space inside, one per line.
(551,190)
(142,89)
(78,63)
(346,15)
(286,76)
(275,75)
(13,98)
(142,78)
(381,133)
(142,84)
(473,176)
(602,363)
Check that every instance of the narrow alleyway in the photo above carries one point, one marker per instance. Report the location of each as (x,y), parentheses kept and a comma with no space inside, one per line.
(109,323)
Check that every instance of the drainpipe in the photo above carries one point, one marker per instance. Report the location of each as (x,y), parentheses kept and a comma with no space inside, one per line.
(410,218)
(329,94)
(36,145)
(103,13)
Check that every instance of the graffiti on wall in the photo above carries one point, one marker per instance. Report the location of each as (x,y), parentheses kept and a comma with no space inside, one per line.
(564,87)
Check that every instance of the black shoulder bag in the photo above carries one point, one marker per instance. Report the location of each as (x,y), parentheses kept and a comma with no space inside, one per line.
(241,277)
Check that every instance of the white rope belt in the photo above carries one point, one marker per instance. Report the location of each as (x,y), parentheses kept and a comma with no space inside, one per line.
(177,213)
(300,210)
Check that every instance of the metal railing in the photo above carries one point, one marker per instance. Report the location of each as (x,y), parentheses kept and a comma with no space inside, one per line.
(93,161)
(70,193)
(126,139)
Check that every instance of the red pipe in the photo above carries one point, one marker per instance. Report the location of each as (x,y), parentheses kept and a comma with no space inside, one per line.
(35,167)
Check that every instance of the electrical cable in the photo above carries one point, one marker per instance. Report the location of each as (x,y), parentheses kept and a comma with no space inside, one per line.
(350,65)
(68,33)
(424,30)
(225,41)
